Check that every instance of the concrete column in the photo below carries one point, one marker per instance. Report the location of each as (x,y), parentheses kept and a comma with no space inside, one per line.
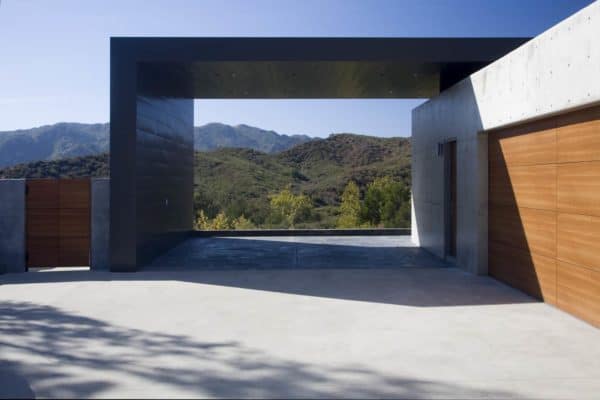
(12,225)
(100,244)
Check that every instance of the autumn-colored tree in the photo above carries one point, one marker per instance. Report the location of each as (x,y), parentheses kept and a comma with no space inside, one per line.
(290,208)
(220,222)
(242,222)
(350,207)
(202,221)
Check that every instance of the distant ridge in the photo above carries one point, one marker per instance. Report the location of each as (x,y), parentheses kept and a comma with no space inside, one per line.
(51,142)
(215,135)
(68,140)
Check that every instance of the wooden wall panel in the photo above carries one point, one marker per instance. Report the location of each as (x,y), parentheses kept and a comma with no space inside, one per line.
(516,148)
(579,291)
(74,251)
(531,273)
(544,210)
(500,190)
(74,193)
(74,222)
(526,229)
(578,136)
(42,193)
(74,199)
(579,240)
(42,251)
(579,188)
(42,222)
(531,186)
(58,222)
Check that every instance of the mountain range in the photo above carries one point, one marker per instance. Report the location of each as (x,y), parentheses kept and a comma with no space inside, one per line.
(68,140)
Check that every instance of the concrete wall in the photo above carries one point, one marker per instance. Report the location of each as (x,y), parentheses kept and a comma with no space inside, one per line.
(100,244)
(12,225)
(555,72)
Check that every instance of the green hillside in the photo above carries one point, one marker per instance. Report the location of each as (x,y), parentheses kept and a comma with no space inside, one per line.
(94,166)
(329,164)
(241,182)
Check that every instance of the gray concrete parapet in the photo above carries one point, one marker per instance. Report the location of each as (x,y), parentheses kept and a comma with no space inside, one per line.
(12,225)
(100,240)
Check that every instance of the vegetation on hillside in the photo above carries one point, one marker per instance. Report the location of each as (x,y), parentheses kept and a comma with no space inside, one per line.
(386,204)
(343,181)
(242,182)
(93,166)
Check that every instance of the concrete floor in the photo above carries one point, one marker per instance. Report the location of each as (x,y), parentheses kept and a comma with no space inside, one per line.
(381,332)
(297,252)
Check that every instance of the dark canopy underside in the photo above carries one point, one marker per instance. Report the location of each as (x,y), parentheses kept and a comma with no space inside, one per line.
(306,67)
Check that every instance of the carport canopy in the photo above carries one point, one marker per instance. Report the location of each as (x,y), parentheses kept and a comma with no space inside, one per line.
(153,82)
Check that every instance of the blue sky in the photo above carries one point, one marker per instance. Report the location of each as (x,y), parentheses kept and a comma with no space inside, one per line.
(54,54)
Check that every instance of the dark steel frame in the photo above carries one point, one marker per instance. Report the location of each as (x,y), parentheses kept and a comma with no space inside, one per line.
(154,81)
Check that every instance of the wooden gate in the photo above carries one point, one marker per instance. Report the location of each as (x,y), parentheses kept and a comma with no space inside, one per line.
(58,222)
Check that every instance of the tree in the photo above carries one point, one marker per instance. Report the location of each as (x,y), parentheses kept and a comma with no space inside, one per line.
(387,204)
(290,208)
(204,203)
(350,207)
(202,221)
(242,222)
(220,222)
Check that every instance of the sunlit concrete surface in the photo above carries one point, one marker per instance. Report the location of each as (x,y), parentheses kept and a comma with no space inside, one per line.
(390,332)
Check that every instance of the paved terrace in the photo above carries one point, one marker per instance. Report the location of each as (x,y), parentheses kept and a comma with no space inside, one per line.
(403,331)
(291,252)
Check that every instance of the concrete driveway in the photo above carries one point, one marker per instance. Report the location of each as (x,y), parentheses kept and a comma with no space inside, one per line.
(412,332)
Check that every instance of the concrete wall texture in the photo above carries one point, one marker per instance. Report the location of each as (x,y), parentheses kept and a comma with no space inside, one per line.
(557,71)
(100,215)
(12,225)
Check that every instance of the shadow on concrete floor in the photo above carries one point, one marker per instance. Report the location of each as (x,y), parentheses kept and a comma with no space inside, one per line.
(48,352)
(417,287)
(374,269)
